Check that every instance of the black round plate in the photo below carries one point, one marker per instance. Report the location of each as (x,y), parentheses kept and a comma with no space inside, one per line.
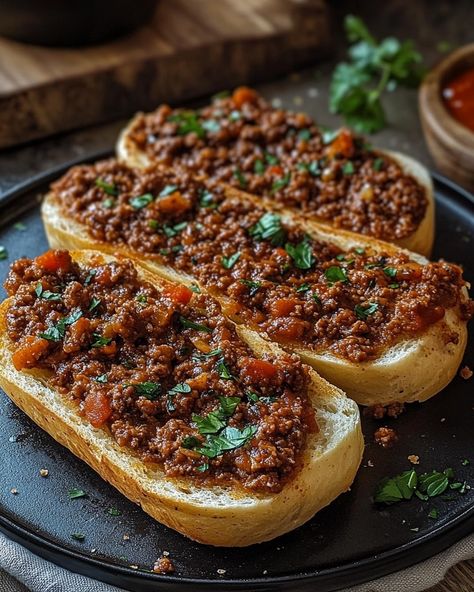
(347,543)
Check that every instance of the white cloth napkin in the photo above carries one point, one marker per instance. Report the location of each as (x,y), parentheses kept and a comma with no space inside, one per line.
(22,571)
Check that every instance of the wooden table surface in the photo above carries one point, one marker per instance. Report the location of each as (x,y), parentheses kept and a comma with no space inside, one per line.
(428,22)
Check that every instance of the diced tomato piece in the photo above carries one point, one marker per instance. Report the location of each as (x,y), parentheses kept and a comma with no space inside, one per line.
(275,170)
(283,307)
(54,260)
(97,408)
(174,203)
(29,353)
(242,95)
(180,294)
(292,330)
(259,369)
(281,252)
(343,144)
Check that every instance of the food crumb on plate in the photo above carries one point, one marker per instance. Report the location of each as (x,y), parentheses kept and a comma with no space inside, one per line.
(385,437)
(163,565)
(443,419)
(466,373)
(14,491)
(126,537)
(380,411)
(44,472)
(221,572)
(414,459)
(370,463)
(133,566)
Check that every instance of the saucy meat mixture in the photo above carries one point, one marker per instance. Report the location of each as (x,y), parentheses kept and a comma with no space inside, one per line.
(164,372)
(278,278)
(242,140)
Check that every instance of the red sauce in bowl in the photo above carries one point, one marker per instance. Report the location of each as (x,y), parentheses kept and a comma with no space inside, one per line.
(458,97)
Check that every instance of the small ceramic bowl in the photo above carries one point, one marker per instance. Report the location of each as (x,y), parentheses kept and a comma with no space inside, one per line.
(451,144)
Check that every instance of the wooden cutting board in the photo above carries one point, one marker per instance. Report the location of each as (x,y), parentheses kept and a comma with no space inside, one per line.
(191,48)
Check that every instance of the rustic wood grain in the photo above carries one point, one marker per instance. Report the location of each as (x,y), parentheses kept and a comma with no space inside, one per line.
(190,48)
(459,578)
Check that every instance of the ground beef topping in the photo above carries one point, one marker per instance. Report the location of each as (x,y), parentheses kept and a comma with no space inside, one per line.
(162,371)
(242,140)
(274,275)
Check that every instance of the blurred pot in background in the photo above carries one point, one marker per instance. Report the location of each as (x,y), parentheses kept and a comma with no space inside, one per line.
(70,23)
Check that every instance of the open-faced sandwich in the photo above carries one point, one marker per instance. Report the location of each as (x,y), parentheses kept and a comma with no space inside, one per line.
(336,178)
(213,431)
(380,322)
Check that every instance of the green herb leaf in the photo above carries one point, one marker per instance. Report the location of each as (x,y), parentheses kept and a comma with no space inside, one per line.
(303,288)
(395,489)
(378,164)
(391,272)
(108,188)
(108,203)
(168,190)
(206,199)
(229,262)
(90,276)
(46,294)
(102,378)
(75,493)
(394,286)
(252,285)
(114,512)
(171,231)
(188,122)
(363,311)
(211,126)
(271,159)
(335,274)
(253,397)
(235,115)
(302,254)
(210,423)
(313,168)
(359,251)
(433,513)
(316,298)
(149,390)
(195,288)
(269,228)
(56,332)
(141,298)
(240,178)
(304,135)
(19,226)
(202,468)
(211,354)
(187,324)
(348,168)
(141,201)
(78,536)
(95,302)
(259,167)
(328,136)
(229,405)
(3,253)
(181,387)
(280,183)
(222,370)
(99,340)
(229,439)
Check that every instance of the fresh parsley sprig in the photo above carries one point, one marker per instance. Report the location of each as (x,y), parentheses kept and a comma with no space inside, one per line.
(374,67)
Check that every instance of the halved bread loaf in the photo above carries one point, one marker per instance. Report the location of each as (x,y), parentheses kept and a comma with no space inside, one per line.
(413,369)
(217,515)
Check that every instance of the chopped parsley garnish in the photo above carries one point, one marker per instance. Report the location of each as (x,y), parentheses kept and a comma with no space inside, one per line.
(99,340)
(363,311)
(316,298)
(211,354)
(378,164)
(240,178)
(187,324)
(108,188)
(433,513)
(203,467)
(229,262)
(235,115)
(313,168)
(280,183)
(391,272)
(195,288)
(56,332)
(229,438)
(3,253)
(465,462)
(302,254)
(222,370)
(19,226)
(329,136)
(252,285)
(188,122)
(108,203)
(102,378)
(75,493)
(404,486)
(78,536)
(211,125)
(114,512)
(304,135)
(90,276)
(95,302)
(348,168)
(269,228)
(253,397)
(271,159)
(359,251)
(141,201)
(149,390)
(259,167)
(303,288)
(174,249)
(206,199)
(394,286)
(216,420)
(183,388)
(171,231)
(141,298)
(223,94)
(335,274)
(168,190)
(46,294)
